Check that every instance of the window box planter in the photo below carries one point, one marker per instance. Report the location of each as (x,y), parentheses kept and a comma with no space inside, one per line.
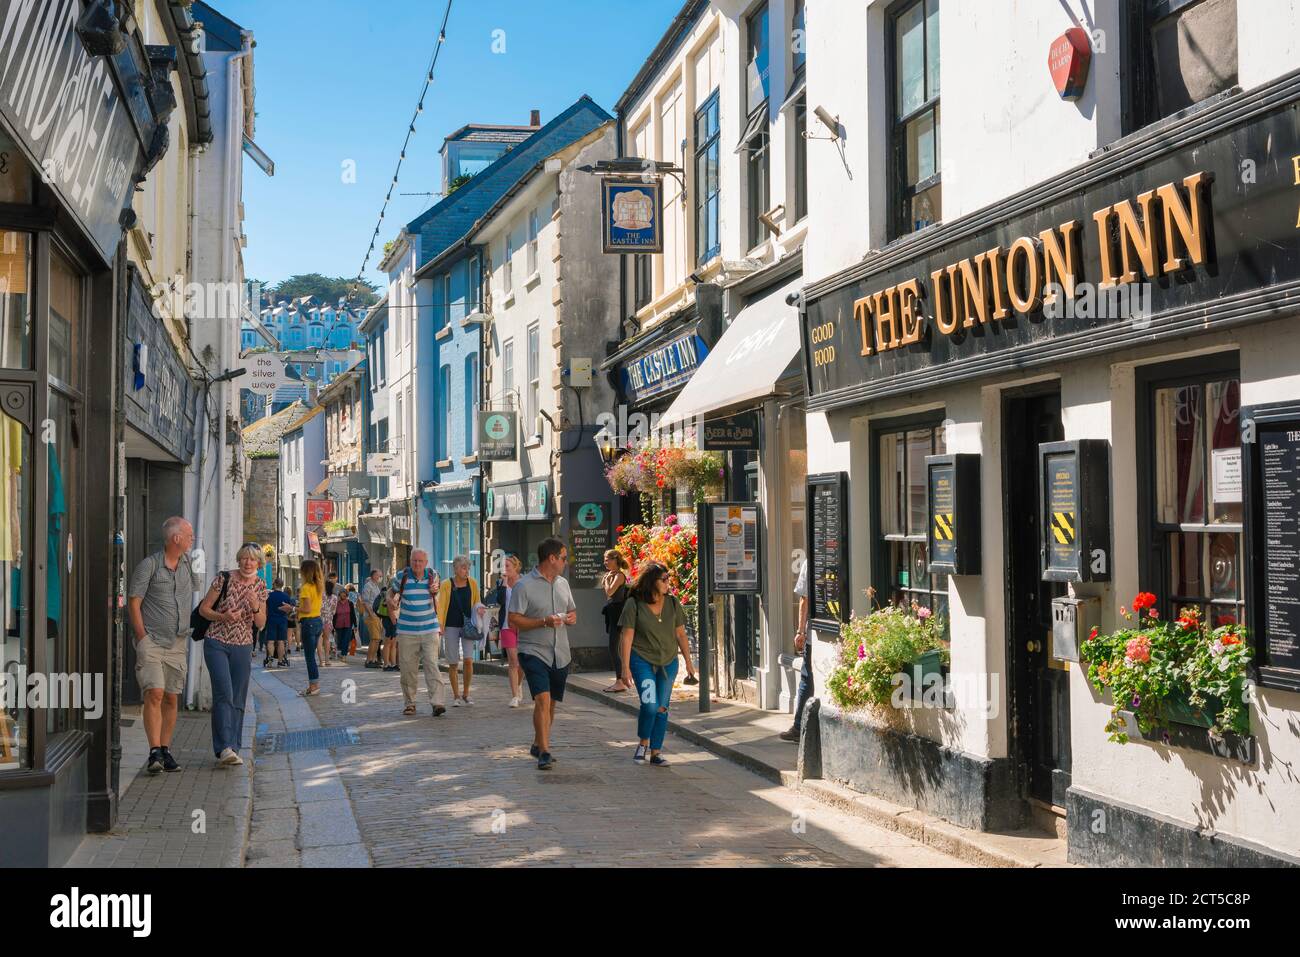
(921,668)
(1178,709)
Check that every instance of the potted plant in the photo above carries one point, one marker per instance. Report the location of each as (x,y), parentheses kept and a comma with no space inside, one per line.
(1181,671)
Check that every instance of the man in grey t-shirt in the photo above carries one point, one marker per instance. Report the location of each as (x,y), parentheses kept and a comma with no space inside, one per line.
(801,647)
(159,601)
(541,609)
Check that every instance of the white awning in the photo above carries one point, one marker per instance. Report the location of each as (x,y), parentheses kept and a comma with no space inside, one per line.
(748,361)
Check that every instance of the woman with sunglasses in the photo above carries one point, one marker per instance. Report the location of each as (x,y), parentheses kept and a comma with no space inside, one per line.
(654,631)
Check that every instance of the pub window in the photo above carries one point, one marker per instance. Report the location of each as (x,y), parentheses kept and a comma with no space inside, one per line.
(642,281)
(755,140)
(1182,52)
(914,148)
(901,551)
(1194,495)
(707,184)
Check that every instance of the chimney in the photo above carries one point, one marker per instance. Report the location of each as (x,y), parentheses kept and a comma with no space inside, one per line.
(535,118)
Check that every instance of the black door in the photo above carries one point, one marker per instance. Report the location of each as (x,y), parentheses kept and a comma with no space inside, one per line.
(1039,689)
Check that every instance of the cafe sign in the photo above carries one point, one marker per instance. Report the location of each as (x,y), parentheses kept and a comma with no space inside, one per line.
(1116,252)
(498,433)
(518,501)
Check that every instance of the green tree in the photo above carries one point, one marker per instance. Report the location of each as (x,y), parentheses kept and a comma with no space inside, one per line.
(358,292)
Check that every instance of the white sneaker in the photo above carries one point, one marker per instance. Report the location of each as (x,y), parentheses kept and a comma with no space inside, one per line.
(514,702)
(229,757)
(455,702)
(468,701)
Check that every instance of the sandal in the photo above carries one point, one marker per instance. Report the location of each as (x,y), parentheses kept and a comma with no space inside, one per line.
(309,693)
(616,689)
(409,709)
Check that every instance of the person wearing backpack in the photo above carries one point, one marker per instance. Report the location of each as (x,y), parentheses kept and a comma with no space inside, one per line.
(345,616)
(371,593)
(411,609)
(458,609)
(159,603)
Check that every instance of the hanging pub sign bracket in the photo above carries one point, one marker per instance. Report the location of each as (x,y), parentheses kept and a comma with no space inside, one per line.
(1074,510)
(953,513)
(1270,441)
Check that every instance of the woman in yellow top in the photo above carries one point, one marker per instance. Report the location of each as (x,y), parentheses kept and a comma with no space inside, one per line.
(458,603)
(310,594)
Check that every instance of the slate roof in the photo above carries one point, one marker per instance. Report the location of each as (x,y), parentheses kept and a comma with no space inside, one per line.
(264,435)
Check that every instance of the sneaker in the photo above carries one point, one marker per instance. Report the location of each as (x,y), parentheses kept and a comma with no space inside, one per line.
(229,757)
(545,761)
(439,711)
(534,751)
(168,762)
(455,702)
(469,702)
(514,702)
(790,734)
(372,664)
(658,760)
(155,763)
(639,754)
(391,668)
(266,662)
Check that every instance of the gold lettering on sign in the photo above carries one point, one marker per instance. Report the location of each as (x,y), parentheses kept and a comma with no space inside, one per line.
(1138,237)
(885,303)
(1187,219)
(994,259)
(1102,218)
(1295,161)
(861,308)
(1058,258)
(1024,249)
(947,324)
(909,300)
(977,294)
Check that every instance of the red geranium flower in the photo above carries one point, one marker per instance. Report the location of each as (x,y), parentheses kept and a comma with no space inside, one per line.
(1231,639)
(1144,599)
(1092,634)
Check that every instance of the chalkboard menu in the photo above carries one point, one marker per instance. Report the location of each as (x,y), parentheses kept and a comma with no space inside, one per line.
(590,536)
(828,552)
(1272,467)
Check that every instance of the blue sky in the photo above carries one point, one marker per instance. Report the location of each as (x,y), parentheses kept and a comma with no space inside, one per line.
(336,82)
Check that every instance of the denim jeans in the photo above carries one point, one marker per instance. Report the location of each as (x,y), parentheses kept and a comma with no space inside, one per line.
(654,685)
(805,685)
(309,630)
(343,637)
(228,667)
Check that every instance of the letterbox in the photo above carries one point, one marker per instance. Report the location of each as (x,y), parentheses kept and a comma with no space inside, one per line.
(1072,620)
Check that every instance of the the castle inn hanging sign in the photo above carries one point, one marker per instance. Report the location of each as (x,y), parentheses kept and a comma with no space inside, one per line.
(1194,230)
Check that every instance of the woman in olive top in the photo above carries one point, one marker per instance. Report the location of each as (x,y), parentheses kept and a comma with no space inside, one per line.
(310,594)
(654,630)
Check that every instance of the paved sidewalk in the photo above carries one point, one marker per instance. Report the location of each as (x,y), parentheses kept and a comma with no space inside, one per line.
(195,817)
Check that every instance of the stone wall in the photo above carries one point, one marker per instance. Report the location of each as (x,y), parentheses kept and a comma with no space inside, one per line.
(261,509)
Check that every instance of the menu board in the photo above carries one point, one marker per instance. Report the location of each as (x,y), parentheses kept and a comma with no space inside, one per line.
(734,529)
(590,536)
(1279,468)
(828,551)
(1061,518)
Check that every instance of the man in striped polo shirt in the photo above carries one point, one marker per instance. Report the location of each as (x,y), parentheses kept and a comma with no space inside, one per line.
(411,607)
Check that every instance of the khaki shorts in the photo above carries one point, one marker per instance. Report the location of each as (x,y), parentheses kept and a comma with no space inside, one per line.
(159,667)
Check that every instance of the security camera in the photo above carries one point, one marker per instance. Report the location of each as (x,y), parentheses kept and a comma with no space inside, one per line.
(831,123)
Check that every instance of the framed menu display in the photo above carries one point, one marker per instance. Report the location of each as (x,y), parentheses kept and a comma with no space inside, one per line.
(1271,483)
(735,528)
(828,552)
(953,506)
(1074,498)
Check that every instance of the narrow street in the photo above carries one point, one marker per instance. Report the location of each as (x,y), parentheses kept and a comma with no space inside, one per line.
(461,790)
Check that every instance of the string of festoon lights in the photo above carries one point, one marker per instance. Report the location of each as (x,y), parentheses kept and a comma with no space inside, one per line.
(356,285)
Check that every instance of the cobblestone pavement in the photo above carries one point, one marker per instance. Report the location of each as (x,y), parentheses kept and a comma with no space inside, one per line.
(195,817)
(462,790)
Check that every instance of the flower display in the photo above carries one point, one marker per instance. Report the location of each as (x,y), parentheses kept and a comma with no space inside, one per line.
(1150,665)
(673,545)
(875,649)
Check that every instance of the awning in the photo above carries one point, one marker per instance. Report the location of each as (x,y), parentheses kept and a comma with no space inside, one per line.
(748,361)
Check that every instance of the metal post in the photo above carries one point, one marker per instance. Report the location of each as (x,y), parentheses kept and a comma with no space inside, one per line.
(703,563)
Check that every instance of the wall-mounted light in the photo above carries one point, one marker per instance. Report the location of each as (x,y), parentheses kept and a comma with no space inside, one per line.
(832,124)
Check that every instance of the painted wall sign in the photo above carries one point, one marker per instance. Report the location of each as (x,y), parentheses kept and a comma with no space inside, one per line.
(735,551)
(953,507)
(734,432)
(1068,60)
(665,368)
(1271,473)
(1115,252)
(828,552)
(632,212)
(1074,510)
(65,106)
(498,434)
(519,501)
(590,535)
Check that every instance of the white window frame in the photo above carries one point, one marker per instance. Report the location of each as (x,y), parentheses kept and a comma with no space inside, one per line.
(508,277)
(534,403)
(508,373)
(532,242)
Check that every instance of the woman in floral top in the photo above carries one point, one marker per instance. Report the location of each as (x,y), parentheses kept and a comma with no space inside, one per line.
(236,618)
(328,606)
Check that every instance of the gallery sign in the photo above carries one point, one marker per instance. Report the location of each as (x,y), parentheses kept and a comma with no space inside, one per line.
(498,435)
(632,212)
(65,107)
(1135,246)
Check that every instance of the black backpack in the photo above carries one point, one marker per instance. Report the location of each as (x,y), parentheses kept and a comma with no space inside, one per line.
(197,621)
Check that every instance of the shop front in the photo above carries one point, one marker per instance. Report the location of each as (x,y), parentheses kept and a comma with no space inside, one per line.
(519,516)
(456,522)
(375,535)
(75,132)
(1083,393)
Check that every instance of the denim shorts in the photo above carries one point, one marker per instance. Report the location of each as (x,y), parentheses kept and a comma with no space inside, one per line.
(542,678)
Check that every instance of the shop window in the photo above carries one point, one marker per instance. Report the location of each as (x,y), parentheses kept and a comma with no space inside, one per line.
(707,183)
(902,558)
(15,300)
(1181,52)
(916,190)
(1192,448)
